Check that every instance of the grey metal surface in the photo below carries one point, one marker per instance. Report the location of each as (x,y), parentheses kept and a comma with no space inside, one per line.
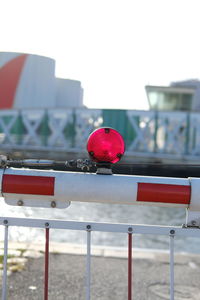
(109,278)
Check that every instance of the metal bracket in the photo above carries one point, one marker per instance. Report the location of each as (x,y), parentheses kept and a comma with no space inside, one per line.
(36,203)
(192,219)
(83,164)
(104,171)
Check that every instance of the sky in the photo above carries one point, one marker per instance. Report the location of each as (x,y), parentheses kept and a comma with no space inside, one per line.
(114,47)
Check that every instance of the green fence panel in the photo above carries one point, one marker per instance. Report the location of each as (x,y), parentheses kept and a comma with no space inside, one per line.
(44,130)
(118,120)
(18,130)
(70,131)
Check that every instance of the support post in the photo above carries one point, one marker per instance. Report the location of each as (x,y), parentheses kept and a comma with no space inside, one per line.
(46,267)
(130,264)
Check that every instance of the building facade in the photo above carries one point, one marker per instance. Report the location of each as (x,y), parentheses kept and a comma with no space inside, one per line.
(28,81)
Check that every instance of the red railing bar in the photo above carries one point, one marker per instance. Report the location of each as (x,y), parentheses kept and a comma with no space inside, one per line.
(46,266)
(129,266)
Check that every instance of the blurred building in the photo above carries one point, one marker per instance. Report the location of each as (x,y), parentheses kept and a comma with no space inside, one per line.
(179,96)
(28,81)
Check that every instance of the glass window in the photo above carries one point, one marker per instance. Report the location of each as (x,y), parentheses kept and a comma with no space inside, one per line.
(170,101)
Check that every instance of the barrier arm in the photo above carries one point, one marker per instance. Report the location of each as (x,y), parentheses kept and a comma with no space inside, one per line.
(56,189)
(38,188)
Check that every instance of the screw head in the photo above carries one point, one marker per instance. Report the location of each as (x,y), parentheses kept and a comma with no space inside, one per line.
(130,229)
(88,227)
(172,231)
(5,222)
(53,204)
(20,203)
(193,223)
(46,224)
(107,130)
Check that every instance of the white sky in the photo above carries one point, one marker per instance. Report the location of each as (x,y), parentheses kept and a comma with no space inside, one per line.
(114,47)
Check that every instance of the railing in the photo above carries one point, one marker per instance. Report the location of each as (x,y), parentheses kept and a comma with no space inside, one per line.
(128,229)
(150,133)
(26,187)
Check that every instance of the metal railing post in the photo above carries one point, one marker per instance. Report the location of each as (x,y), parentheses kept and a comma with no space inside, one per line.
(172,232)
(88,262)
(4,280)
(46,267)
(130,264)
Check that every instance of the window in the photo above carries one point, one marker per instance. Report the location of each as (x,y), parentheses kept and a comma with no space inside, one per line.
(167,100)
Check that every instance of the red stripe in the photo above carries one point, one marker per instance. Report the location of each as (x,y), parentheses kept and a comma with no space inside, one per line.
(9,78)
(23,184)
(163,193)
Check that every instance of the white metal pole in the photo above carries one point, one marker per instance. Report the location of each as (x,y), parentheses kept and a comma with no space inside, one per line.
(172,232)
(88,264)
(4,280)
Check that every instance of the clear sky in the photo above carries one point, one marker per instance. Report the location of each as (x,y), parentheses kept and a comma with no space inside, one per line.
(114,47)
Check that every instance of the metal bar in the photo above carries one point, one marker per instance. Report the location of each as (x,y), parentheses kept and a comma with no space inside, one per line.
(4,280)
(129,266)
(88,265)
(97,188)
(172,265)
(102,227)
(31,163)
(46,267)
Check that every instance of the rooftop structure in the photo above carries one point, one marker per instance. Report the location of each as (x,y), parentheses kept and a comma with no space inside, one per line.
(181,96)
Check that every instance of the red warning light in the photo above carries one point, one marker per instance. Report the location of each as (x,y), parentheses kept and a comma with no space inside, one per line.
(105,145)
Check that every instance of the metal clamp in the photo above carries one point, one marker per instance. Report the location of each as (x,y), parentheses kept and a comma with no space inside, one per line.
(3,161)
(83,164)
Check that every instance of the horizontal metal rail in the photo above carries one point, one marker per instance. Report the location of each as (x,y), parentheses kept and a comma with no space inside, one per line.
(102,227)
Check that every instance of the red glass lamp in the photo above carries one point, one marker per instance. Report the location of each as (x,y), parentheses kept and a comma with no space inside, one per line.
(105,145)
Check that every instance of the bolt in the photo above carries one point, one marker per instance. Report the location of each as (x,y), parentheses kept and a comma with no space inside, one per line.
(107,130)
(5,222)
(172,231)
(46,224)
(53,204)
(193,223)
(20,203)
(130,229)
(88,227)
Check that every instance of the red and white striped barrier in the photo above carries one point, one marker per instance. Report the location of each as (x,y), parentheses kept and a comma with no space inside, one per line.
(56,189)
